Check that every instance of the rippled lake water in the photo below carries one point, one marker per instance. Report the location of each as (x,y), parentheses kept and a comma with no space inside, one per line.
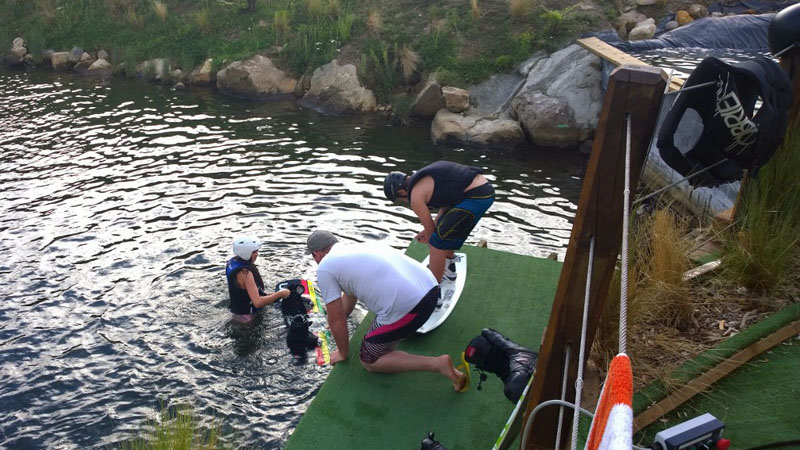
(119,202)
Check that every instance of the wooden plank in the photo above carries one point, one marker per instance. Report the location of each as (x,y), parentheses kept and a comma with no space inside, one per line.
(712,376)
(704,269)
(609,53)
(618,57)
(635,91)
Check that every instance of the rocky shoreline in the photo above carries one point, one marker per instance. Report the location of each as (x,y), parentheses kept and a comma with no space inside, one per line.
(549,101)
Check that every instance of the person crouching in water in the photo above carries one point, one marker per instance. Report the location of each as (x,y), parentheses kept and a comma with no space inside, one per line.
(460,193)
(398,289)
(245,285)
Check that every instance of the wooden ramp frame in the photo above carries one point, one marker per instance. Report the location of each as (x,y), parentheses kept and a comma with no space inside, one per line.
(635,91)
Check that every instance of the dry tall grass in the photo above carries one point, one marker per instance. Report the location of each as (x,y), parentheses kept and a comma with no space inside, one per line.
(316,8)
(118,8)
(519,8)
(334,8)
(47,9)
(374,23)
(476,11)
(409,62)
(160,10)
(202,20)
(281,24)
(659,302)
(133,17)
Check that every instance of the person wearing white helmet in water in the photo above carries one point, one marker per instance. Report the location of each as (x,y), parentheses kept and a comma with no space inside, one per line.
(245,285)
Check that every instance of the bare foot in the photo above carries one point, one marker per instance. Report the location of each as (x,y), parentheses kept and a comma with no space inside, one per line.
(458,378)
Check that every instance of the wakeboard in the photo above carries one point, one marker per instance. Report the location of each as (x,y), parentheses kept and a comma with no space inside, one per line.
(450,292)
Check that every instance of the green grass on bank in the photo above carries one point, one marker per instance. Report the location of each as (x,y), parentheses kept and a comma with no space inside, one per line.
(762,252)
(391,43)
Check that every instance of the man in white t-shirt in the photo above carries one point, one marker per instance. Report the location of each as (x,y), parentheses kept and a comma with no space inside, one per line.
(399,290)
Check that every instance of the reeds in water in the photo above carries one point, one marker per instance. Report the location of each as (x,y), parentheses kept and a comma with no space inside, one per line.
(177,429)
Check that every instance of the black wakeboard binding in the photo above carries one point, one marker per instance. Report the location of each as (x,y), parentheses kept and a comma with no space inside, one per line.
(429,443)
(512,363)
(299,338)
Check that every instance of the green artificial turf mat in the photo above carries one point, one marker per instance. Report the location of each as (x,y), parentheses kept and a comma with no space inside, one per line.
(759,402)
(355,409)
(692,369)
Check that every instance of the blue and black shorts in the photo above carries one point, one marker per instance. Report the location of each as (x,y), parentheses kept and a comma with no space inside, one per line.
(454,226)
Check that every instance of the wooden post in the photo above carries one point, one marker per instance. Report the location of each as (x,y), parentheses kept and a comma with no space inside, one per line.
(635,91)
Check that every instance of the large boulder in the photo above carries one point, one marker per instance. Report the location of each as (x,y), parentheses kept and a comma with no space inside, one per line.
(60,60)
(99,68)
(683,17)
(643,30)
(560,103)
(456,99)
(256,78)
(336,90)
(203,75)
(628,21)
(452,128)
(16,56)
(428,100)
(75,55)
(84,63)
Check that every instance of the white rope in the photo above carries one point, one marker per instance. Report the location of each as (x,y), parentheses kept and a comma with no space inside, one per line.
(567,356)
(689,88)
(540,406)
(703,170)
(780,53)
(579,379)
(626,195)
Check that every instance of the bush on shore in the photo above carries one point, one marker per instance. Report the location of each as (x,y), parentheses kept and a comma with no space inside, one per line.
(465,42)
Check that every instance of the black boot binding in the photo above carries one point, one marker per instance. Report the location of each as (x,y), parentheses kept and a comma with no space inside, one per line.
(512,363)
(429,443)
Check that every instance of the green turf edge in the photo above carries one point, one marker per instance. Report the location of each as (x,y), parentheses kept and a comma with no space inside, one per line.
(690,370)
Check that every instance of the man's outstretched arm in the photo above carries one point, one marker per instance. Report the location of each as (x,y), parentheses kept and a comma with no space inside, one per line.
(337,322)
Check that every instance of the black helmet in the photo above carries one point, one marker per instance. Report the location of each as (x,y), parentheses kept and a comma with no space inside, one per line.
(784,29)
(393,182)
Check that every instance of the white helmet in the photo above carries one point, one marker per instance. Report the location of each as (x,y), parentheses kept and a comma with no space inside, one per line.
(244,246)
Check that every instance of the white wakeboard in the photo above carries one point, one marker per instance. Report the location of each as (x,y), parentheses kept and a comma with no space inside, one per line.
(451,291)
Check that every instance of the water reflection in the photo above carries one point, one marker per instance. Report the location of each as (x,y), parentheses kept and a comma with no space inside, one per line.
(118,205)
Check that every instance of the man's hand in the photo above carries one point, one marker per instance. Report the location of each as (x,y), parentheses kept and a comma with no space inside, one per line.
(423,236)
(336,357)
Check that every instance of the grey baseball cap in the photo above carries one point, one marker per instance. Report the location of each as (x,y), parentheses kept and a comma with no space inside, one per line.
(320,240)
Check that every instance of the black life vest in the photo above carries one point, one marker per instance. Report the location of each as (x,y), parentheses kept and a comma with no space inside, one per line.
(240,300)
(732,133)
(449,178)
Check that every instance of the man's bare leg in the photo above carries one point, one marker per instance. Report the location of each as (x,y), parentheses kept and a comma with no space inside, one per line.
(436,262)
(398,361)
